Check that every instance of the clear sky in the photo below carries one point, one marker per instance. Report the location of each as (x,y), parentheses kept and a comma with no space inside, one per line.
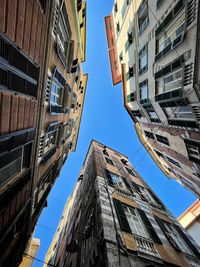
(106,120)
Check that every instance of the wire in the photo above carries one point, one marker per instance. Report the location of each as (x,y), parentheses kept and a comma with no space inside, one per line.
(34,258)
(140,160)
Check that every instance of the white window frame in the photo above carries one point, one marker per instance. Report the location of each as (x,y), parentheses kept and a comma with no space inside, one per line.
(135,222)
(53,140)
(57,95)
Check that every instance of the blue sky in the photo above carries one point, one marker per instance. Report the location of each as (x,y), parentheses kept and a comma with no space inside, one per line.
(104,119)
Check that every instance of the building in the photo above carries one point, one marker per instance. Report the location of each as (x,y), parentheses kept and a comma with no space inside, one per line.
(30,252)
(113,218)
(42,91)
(63,95)
(154,51)
(23,35)
(190,220)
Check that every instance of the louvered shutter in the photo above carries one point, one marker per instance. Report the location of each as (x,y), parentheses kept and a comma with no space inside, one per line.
(187,240)
(123,222)
(149,227)
(109,177)
(169,237)
(127,184)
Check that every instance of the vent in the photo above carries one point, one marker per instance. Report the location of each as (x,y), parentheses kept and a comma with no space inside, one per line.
(55,18)
(188,74)
(196,110)
(41,146)
(35,200)
(191,12)
(48,88)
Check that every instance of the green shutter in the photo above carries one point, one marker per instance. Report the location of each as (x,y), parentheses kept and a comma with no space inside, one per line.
(187,240)
(149,227)
(123,222)
(108,177)
(162,226)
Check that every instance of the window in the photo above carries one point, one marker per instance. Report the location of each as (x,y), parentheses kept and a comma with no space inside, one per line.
(117,180)
(158,153)
(73,101)
(143,59)
(170,82)
(150,110)
(68,128)
(179,112)
(124,8)
(186,182)
(56,94)
(173,162)
(159,3)
(162,139)
(149,134)
(124,161)
(130,38)
(131,97)
(143,86)
(13,163)
(130,73)
(109,161)
(193,149)
(134,221)
(143,16)
(115,7)
(117,27)
(51,137)
(174,236)
(130,171)
(120,56)
(50,141)
(168,37)
(105,153)
(65,47)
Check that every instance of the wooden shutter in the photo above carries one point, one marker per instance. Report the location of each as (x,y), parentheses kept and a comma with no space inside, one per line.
(127,184)
(149,227)
(187,240)
(123,222)
(167,234)
(109,177)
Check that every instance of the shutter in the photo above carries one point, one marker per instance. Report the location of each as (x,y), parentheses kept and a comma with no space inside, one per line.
(187,240)
(123,222)
(127,184)
(109,178)
(136,187)
(149,227)
(169,237)
(139,191)
(156,198)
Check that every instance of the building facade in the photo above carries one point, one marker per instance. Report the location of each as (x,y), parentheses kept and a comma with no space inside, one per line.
(30,252)
(113,218)
(154,51)
(190,220)
(42,91)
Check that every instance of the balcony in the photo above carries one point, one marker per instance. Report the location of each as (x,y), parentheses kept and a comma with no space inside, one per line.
(194,262)
(124,193)
(146,248)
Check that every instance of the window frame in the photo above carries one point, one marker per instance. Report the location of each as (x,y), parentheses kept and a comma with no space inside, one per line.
(162,139)
(134,219)
(109,161)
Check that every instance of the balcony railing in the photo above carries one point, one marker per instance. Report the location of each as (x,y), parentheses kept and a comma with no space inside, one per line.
(146,246)
(124,193)
(194,262)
